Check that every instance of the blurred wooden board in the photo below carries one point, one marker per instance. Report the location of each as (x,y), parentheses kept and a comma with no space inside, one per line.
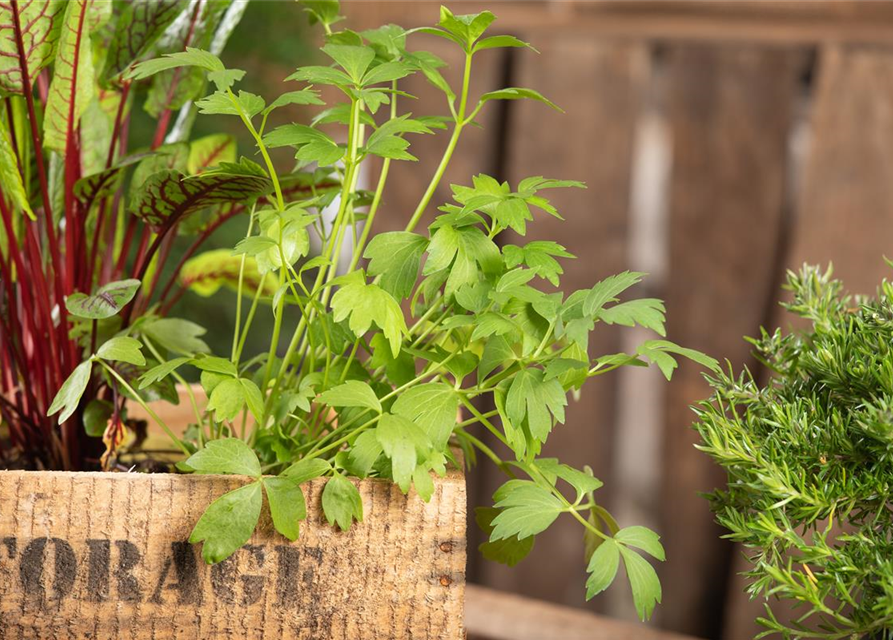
(729,111)
(492,615)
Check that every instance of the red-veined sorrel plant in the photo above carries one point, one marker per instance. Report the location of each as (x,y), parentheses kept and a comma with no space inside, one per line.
(364,388)
(86,220)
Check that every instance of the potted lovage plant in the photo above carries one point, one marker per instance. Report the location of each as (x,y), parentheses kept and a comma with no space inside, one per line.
(83,233)
(808,459)
(365,396)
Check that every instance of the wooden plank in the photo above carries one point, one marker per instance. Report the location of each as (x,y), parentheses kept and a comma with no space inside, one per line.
(729,111)
(599,85)
(845,208)
(103,555)
(781,23)
(491,615)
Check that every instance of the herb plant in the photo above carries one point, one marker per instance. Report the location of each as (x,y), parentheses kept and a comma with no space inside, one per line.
(808,456)
(87,219)
(418,328)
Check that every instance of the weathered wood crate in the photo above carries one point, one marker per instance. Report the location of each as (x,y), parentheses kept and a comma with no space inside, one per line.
(105,556)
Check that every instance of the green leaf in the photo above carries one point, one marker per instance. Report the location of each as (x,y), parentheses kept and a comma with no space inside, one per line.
(307,469)
(69,395)
(226,455)
(508,551)
(228,522)
(122,349)
(352,393)
(364,452)
(40,24)
(161,371)
(253,398)
(216,365)
(302,97)
(227,400)
(321,75)
(322,11)
(645,312)
(642,538)
(603,565)
(539,255)
(461,250)
(658,351)
(493,323)
(341,502)
(434,407)
(312,145)
(366,304)
(398,437)
(533,397)
(499,42)
(607,290)
(167,196)
(396,257)
(387,72)
(71,88)
(108,300)
(177,335)
(96,417)
(354,60)
(497,351)
(644,582)
(192,57)
(583,483)
(287,505)
(517,93)
(10,178)
(526,510)
(139,25)
(220,103)
(210,151)
(465,28)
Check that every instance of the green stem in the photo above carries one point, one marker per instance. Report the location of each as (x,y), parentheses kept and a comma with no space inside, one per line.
(235,349)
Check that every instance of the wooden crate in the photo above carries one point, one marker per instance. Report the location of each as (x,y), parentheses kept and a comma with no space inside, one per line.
(100,555)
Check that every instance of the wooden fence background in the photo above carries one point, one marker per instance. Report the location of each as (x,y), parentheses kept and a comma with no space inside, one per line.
(722,142)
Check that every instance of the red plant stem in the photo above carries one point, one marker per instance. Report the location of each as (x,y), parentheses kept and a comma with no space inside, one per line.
(172,301)
(125,246)
(162,259)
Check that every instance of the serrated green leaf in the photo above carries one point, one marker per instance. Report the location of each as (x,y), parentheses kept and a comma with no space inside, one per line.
(122,349)
(253,398)
(532,397)
(499,42)
(645,312)
(364,452)
(354,60)
(341,502)
(287,505)
(525,510)
(161,371)
(643,581)
(307,469)
(177,335)
(227,400)
(607,290)
(583,483)
(353,393)
(642,538)
(226,455)
(497,351)
(603,565)
(508,551)
(228,522)
(108,300)
(302,97)
(365,304)
(312,145)
(518,93)
(396,257)
(398,436)
(434,407)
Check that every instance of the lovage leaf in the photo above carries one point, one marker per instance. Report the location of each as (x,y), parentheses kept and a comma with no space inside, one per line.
(366,304)
(658,351)
(122,349)
(508,551)
(399,437)
(607,290)
(307,469)
(396,257)
(645,312)
(139,25)
(341,502)
(644,582)
(603,565)
(432,406)
(526,509)
(161,371)
(461,250)
(228,522)
(642,538)
(177,335)
(227,399)
(353,393)
(227,455)
(518,93)
(192,57)
(40,24)
(312,145)
(354,60)
(108,300)
(73,83)
(287,505)
(69,395)
(533,397)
